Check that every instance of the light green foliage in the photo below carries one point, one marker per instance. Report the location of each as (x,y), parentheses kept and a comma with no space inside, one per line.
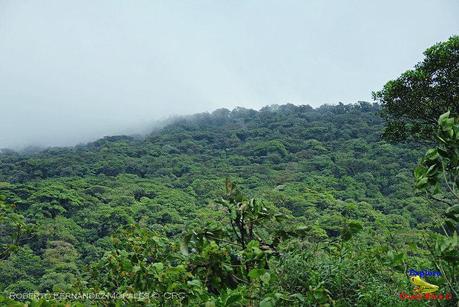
(320,211)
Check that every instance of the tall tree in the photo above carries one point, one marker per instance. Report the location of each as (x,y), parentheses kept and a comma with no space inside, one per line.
(412,103)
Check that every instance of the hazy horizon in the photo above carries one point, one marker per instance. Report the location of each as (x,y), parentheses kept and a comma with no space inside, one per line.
(144,129)
(72,72)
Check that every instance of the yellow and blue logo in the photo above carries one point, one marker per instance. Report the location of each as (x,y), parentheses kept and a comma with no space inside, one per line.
(424,290)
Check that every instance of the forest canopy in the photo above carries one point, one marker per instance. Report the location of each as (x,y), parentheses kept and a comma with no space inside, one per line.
(285,206)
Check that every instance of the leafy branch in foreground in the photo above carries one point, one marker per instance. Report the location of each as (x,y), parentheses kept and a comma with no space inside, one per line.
(226,256)
(438,175)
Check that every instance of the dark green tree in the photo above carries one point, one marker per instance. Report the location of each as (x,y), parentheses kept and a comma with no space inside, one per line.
(412,103)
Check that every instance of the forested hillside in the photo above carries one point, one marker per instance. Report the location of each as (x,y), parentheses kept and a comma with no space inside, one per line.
(337,217)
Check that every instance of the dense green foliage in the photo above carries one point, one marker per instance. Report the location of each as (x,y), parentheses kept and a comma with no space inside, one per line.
(438,175)
(321,211)
(413,102)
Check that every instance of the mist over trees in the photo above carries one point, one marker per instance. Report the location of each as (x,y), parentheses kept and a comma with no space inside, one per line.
(285,206)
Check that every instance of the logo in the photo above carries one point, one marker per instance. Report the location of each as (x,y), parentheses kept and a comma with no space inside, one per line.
(424,290)
(424,273)
(422,286)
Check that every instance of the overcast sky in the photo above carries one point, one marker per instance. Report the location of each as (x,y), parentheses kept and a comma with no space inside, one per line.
(73,71)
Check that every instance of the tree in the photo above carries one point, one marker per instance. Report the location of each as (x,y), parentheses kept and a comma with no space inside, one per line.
(13,229)
(412,103)
(20,269)
(60,258)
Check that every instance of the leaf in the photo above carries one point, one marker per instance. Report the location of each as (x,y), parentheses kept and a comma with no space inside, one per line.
(256,273)
(350,229)
(453,213)
(194,283)
(432,170)
(298,296)
(302,229)
(443,117)
(419,171)
(136,268)
(232,299)
(432,154)
(280,217)
(421,182)
(453,209)
(265,278)
(268,302)
(158,266)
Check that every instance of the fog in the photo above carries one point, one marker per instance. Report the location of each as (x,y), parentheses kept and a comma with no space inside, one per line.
(74,71)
